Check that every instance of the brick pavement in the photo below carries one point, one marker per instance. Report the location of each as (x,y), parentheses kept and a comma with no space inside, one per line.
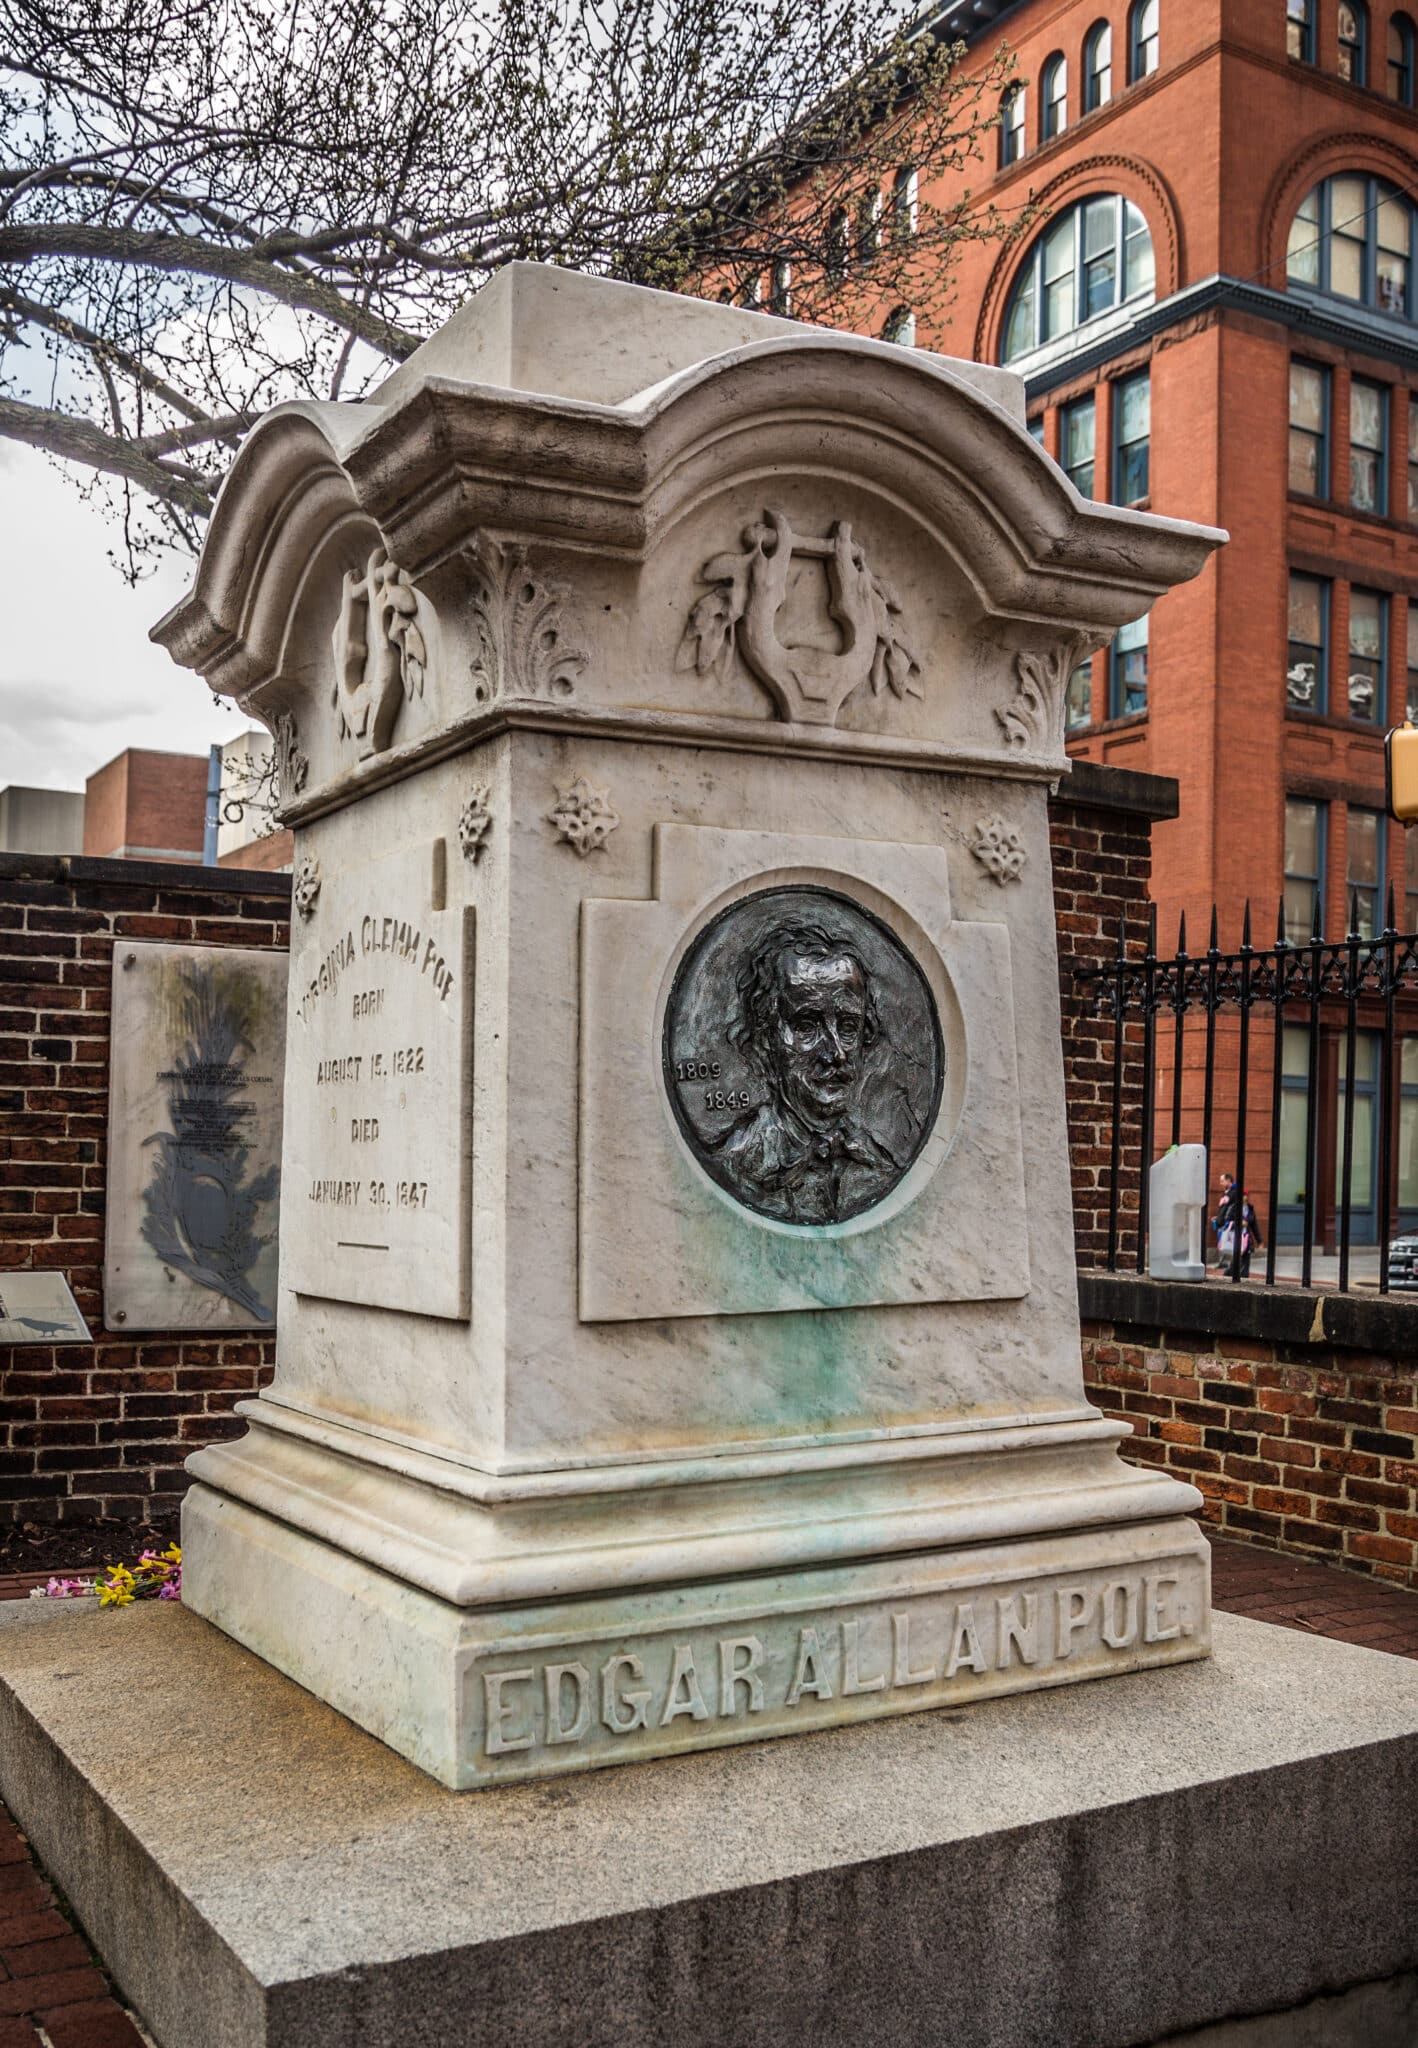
(1319,1599)
(53,1993)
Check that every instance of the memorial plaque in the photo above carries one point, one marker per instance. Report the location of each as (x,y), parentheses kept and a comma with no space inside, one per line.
(377,1148)
(803,1055)
(39,1308)
(194,1137)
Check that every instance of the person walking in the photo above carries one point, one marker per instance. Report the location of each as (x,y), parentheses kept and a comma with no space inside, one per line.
(1236,1210)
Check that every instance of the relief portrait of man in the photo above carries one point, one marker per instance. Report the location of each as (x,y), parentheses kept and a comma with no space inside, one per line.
(808,1027)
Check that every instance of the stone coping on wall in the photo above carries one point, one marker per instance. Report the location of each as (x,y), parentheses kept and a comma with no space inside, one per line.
(143,874)
(1095,787)
(1381,1324)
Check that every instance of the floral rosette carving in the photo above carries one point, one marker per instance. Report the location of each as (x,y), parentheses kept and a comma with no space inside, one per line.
(305,887)
(474,821)
(999,848)
(584,816)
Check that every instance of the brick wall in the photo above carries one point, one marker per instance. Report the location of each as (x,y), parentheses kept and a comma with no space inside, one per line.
(1100,828)
(1294,1413)
(101,1429)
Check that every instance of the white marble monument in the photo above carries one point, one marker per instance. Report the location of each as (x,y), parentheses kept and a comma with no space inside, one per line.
(678,1336)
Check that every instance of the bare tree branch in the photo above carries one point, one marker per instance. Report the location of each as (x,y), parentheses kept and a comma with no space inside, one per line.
(208,206)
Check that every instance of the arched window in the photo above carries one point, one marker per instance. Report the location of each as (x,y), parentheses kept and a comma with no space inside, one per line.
(1097,67)
(1011,125)
(1053,97)
(780,297)
(1300,30)
(1353,237)
(1094,257)
(900,327)
(1354,42)
(905,201)
(752,293)
(1142,39)
(1400,60)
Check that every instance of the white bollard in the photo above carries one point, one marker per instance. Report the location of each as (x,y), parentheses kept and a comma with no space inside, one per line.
(1176,1206)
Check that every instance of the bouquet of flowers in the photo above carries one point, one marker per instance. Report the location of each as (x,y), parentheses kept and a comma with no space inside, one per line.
(156,1576)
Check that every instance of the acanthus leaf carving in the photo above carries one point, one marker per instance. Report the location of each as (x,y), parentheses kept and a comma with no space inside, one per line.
(807,684)
(1033,720)
(292,762)
(522,649)
(380,652)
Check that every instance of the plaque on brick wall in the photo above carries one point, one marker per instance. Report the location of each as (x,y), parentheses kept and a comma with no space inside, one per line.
(194,1137)
(39,1308)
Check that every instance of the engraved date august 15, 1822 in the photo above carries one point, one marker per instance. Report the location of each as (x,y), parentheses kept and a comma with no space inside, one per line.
(827,1064)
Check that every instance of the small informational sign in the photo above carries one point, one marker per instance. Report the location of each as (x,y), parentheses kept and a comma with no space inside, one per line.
(39,1308)
(194,1137)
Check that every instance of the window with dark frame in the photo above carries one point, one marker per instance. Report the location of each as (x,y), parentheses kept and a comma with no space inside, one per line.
(1013,108)
(1053,97)
(1410,693)
(1078,698)
(1307,658)
(1353,42)
(1309,429)
(905,203)
(1077,443)
(839,243)
(1143,40)
(1413,455)
(1368,446)
(1132,439)
(900,327)
(1368,641)
(1410,902)
(1364,876)
(869,226)
(1352,238)
(1300,30)
(1305,822)
(1399,78)
(1097,67)
(1127,670)
(1036,430)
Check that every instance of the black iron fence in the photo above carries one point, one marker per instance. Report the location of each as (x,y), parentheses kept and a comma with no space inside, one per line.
(1302,1056)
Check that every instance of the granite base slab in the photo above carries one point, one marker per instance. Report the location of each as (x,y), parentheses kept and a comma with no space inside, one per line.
(1093,1867)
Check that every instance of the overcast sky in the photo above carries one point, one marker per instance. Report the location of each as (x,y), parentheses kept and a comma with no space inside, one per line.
(79,678)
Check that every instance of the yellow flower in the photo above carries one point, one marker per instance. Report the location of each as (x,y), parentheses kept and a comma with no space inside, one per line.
(173,1554)
(114,1596)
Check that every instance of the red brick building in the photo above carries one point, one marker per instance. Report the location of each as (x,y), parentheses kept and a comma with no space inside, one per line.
(1217,319)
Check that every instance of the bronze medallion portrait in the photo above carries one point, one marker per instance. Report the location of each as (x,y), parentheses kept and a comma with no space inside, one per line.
(803,1055)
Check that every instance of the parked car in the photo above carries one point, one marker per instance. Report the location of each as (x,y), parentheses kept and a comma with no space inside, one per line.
(1403,1262)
